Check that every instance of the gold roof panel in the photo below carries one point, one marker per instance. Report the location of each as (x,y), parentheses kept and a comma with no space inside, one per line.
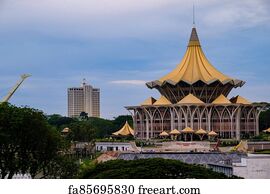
(194,67)
(148,101)
(163,134)
(267,130)
(175,132)
(190,99)
(212,133)
(201,132)
(124,131)
(187,130)
(162,101)
(240,100)
(221,100)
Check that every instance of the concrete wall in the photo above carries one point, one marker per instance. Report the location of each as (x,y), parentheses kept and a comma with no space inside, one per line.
(255,166)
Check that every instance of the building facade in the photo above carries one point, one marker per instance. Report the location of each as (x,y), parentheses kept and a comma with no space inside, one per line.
(113,146)
(83,99)
(195,95)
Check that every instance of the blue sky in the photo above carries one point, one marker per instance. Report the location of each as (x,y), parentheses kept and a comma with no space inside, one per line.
(118,45)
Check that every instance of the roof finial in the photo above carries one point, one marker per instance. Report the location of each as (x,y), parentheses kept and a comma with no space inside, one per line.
(84,82)
(193,15)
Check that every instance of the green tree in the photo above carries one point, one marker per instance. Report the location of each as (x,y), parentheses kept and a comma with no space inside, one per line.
(62,167)
(27,142)
(120,121)
(83,116)
(157,168)
(88,128)
(103,127)
(58,120)
(81,131)
(264,121)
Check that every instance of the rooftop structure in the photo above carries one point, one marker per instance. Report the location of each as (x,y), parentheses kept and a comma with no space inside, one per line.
(126,130)
(195,75)
(194,98)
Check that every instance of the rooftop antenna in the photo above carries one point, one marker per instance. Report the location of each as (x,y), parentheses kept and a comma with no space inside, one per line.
(84,82)
(193,15)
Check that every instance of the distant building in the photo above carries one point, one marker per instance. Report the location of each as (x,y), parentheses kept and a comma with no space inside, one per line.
(114,146)
(83,99)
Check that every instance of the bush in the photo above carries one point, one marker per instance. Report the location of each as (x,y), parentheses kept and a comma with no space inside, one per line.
(157,168)
(225,143)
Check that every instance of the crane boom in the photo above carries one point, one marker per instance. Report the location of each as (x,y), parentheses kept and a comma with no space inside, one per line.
(13,90)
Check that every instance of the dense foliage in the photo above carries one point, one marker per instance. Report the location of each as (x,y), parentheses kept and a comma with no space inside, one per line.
(264,120)
(148,169)
(261,137)
(87,129)
(28,144)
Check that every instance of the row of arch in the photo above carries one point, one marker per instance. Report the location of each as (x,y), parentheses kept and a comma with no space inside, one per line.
(231,121)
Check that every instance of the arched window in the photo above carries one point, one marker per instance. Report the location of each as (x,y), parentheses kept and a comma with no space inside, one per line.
(196,119)
(215,120)
(157,129)
(225,124)
(166,120)
(204,119)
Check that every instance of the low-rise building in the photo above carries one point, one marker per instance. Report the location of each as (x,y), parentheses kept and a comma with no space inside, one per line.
(114,146)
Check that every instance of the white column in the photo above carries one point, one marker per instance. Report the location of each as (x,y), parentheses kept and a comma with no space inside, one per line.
(257,122)
(238,123)
(209,119)
(147,127)
(172,118)
(151,127)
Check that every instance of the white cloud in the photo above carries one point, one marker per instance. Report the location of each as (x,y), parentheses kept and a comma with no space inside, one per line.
(128,18)
(228,13)
(127,82)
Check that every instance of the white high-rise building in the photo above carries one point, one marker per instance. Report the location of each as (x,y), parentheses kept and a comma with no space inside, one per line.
(83,99)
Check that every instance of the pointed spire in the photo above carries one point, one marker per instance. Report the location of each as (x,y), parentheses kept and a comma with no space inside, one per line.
(84,82)
(194,39)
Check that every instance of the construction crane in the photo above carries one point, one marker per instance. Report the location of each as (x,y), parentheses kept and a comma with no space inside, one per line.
(13,90)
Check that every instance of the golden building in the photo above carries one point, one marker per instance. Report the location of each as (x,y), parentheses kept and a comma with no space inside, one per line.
(194,95)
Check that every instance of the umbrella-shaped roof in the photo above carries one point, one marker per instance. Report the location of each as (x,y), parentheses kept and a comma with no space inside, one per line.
(267,130)
(187,130)
(195,67)
(175,132)
(124,131)
(163,134)
(65,130)
(201,132)
(212,133)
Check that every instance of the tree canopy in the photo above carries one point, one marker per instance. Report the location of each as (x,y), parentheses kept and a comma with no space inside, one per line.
(264,120)
(157,168)
(89,128)
(28,144)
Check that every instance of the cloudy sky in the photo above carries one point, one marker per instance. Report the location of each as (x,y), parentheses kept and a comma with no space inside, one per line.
(117,45)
